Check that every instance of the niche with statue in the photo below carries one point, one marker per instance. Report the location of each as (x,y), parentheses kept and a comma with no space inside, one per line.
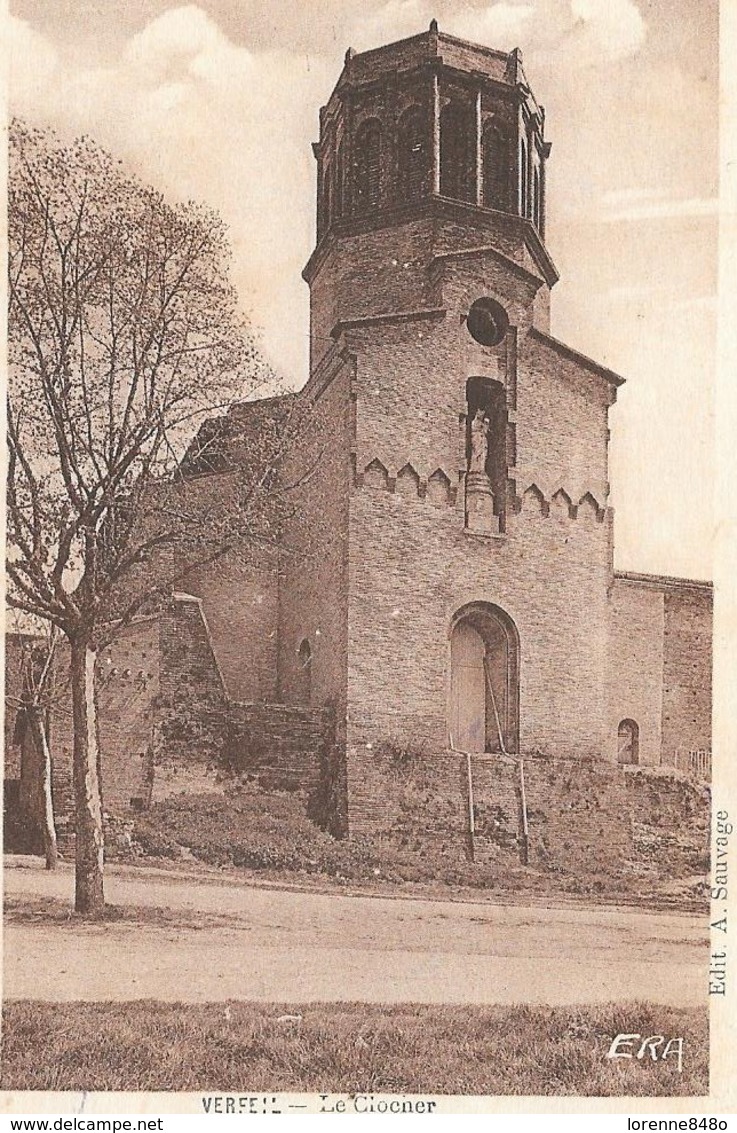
(486,456)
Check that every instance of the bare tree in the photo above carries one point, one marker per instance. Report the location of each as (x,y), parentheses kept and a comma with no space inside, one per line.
(124,335)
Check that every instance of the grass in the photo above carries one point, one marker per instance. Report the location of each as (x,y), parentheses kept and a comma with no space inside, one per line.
(268,833)
(347,1048)
(58,912)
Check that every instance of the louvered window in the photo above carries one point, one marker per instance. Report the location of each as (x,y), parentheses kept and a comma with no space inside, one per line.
(367,166)
(496,169)
(413,155)
(457,153)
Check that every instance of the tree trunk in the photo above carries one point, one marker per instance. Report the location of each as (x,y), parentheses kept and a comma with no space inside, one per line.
(89,896)
(41,742)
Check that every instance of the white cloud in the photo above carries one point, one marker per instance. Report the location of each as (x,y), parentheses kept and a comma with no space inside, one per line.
(32,60)
(573,32)
(500,25)
(614,27)
(185,42)
(179,33)
(395,20)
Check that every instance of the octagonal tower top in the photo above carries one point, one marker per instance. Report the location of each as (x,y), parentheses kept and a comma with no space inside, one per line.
(428,117)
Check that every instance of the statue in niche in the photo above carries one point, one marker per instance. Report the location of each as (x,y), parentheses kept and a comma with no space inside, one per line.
(479,442)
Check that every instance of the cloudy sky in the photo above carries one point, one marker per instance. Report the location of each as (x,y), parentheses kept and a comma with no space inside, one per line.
(218,100)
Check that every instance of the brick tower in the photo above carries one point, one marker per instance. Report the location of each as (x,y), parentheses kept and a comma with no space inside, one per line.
(445,579)
(456,594)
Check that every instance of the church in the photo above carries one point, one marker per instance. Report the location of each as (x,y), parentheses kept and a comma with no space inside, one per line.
(455,590)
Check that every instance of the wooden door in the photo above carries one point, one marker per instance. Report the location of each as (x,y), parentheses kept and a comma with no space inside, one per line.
(468,689)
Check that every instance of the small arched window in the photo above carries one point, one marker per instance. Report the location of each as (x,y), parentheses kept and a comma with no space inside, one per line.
(367,167)
(457,153)
(628,742)
(413,152)
(496,169)
(304,653)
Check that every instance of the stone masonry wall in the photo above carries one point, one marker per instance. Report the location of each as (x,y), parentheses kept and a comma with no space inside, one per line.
(424,793)
(578,812)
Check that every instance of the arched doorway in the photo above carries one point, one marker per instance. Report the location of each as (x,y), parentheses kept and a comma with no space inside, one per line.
(484,679)
(628,742)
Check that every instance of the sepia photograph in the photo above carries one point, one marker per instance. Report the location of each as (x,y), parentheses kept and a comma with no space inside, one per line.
(360,467)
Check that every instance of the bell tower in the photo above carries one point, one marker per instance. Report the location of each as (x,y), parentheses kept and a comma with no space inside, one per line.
(460,492)
(429,129)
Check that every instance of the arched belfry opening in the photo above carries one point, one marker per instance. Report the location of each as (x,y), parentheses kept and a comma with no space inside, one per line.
(430,121)
(367,167)
(457,152)
(413,155)
(483,713)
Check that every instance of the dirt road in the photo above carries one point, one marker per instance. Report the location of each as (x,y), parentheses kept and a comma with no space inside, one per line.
(215,941)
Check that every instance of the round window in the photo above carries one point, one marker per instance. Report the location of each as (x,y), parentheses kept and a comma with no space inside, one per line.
(487,322)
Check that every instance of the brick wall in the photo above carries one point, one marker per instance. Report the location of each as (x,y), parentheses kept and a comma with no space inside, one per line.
(128,681)
(240,602)
(313,578)
(412,564)
(284,748)
(635,674)
(687,669)
(660,667)
(191,703)
(367,273)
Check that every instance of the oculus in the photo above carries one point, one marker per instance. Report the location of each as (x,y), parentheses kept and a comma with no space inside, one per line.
(487,322)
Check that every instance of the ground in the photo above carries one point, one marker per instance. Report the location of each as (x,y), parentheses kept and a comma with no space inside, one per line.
(254,832)
(200,940)
(199,982)
(350,1048)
